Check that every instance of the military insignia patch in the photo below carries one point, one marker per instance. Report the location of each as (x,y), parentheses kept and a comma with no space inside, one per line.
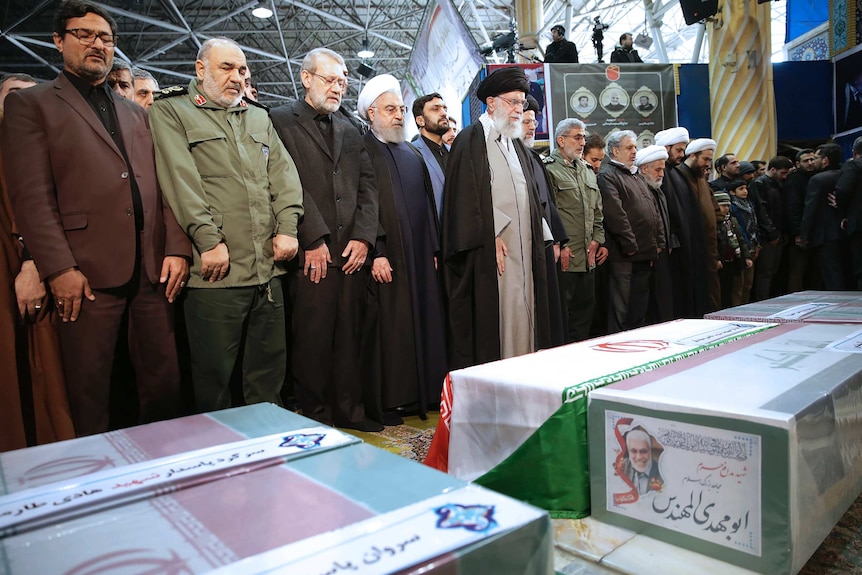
(200,100)
(171,91)
(548,160)
(242,104)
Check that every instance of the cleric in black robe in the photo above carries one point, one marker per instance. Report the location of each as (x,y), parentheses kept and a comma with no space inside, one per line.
(470,278)
(403,348)
(552,216)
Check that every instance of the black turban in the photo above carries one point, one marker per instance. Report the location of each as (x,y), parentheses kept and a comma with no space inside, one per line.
(502,80)
(533,104)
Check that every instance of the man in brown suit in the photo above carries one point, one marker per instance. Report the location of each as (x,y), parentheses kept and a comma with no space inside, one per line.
(80,170)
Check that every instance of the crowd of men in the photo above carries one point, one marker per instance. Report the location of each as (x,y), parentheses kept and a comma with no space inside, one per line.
(261,247)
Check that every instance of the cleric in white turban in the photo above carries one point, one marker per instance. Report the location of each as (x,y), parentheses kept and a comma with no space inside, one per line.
(650,154)
(699,145)
(373,89)
(672,136)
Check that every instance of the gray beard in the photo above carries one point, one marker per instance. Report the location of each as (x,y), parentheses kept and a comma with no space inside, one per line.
(390,134)
(529,142)
(210,87)
(654,184)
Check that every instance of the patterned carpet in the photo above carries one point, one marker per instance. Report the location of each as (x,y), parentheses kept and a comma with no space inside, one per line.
(840,553)
(410,440)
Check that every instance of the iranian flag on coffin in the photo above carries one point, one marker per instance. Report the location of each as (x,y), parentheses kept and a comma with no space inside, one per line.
(518,426)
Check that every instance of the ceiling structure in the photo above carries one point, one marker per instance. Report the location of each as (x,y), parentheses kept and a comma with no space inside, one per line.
(163,36)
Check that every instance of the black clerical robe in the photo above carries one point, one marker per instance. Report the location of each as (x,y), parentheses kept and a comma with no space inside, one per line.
(469,253)
(404,348)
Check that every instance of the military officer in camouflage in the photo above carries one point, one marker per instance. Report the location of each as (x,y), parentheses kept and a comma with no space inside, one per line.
(236,193)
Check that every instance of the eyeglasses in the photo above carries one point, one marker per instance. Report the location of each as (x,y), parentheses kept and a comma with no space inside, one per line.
(392,109)
(88,37)
(531,122)
(515,104)
(578,137)
(332,81)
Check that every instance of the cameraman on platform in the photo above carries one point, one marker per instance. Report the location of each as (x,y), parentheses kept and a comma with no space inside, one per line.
(560,50)
(625,52)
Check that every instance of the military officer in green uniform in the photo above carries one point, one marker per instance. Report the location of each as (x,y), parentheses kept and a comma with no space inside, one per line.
(579,202)
(236,193)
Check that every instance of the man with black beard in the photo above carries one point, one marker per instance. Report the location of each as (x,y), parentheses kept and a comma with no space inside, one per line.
(822,225)
(430,114)
(403,349)
(698,160)
(494,234)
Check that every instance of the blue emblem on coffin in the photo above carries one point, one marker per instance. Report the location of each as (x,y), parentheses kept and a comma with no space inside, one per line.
(303,440)
(470,517)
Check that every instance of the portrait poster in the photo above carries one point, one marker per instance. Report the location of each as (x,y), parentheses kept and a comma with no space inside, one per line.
(848,91)
(445,58)
(536,75)
(698,481)
(611,97)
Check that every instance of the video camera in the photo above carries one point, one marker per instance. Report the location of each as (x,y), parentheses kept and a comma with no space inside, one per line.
(507,42)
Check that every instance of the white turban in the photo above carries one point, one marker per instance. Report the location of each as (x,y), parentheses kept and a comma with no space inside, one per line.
(373,89)
(672,136)
(650,154)
(700,145)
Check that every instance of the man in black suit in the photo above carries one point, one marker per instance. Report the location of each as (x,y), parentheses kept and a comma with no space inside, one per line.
(822,225)
(625,52)
(848,195)
(560,50)
(340,225)
(645,105)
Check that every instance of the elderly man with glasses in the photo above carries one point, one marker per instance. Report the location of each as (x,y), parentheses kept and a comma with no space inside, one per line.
(494,233)
(579,202)
(340,226)
(78,161)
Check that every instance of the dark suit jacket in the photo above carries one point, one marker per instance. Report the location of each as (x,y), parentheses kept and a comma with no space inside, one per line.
(339,190)
(70,190)
(820,222)
(435,171)
(848,192)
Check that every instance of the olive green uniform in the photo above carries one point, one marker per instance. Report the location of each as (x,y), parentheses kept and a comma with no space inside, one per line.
(228,178)
(579,202)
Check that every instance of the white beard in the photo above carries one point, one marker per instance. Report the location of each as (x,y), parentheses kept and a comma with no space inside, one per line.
(507,128)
